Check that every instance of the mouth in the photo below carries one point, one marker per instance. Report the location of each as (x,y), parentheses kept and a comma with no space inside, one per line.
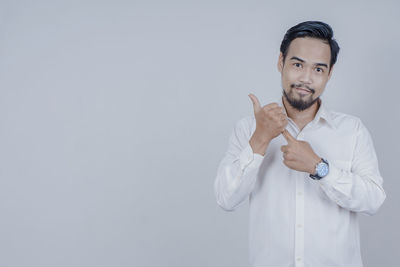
(302,90)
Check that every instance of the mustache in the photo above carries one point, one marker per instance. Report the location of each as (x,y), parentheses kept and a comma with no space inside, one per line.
(302,86)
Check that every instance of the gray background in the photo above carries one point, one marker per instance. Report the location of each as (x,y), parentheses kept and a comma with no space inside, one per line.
(115,114)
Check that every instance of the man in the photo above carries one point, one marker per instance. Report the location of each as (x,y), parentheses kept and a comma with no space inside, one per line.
(308,171)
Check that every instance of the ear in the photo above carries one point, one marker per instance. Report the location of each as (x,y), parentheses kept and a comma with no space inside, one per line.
(280,62)
(330,72)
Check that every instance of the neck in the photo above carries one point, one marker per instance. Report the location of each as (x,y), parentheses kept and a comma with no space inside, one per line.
(304,116)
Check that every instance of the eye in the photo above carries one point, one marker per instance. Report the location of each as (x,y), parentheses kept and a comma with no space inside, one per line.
(297,64)
(319,70)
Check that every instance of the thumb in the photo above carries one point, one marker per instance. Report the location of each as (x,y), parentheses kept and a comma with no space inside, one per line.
(256,103)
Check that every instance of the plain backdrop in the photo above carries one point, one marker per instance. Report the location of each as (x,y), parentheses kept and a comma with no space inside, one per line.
(115,115)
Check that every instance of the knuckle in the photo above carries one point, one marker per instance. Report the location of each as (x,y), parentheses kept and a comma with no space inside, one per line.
(271,105)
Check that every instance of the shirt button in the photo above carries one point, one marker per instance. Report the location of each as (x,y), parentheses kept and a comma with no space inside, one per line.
(298,259)
(299,193)
(299,225)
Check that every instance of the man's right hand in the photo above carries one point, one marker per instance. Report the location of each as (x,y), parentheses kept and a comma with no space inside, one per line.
(270,122)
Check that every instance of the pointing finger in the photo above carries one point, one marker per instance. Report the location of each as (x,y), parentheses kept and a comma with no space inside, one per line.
(289,138)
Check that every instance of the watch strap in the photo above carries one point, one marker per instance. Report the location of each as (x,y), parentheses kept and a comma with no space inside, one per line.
(316,176)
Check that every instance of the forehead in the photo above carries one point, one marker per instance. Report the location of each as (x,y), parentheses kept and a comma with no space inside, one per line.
(312,50)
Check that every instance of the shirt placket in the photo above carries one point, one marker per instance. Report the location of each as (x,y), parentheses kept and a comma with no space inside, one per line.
(299,223)
(300,181)
(299,219)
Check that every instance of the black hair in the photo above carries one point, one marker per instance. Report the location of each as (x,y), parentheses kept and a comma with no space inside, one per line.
(314,29)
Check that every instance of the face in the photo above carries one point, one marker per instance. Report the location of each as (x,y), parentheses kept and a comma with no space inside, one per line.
(305,71)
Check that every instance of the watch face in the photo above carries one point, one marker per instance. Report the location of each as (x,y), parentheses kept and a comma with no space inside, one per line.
(322,169)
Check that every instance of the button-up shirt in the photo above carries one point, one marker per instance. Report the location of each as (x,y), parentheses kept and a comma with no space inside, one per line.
(293,219)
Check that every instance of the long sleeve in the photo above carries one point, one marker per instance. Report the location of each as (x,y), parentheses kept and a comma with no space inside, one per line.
(237,172)
(360,188)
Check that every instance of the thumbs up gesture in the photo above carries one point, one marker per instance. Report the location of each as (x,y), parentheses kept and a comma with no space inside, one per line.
(298,155)
(270,120)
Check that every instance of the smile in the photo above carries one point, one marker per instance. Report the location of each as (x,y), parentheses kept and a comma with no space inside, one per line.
(302,90)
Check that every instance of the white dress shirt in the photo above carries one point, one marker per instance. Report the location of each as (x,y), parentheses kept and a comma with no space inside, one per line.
(293,219)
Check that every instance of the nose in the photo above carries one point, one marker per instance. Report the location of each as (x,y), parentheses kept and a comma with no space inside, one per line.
(306,76)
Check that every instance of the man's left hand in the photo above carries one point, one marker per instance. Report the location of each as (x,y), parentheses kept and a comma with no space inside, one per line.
(298,155)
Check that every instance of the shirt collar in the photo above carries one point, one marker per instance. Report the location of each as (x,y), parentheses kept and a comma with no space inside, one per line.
(323,113)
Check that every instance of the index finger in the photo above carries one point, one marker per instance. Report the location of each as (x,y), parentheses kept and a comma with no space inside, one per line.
(271,106)
(288,136)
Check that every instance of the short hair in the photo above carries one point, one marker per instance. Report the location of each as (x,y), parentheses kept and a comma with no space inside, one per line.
(313,29)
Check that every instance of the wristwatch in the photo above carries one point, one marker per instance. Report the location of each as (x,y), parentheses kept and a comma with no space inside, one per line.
(321,170)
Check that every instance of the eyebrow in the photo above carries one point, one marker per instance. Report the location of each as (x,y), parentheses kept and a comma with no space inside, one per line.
(316,64)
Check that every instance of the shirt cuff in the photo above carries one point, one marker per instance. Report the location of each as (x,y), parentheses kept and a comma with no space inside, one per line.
(330,181)
(248,158)
(331,178)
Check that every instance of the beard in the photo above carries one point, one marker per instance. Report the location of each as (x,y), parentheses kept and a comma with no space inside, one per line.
(299,104)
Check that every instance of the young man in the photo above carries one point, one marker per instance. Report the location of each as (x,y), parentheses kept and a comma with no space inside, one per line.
(308,171)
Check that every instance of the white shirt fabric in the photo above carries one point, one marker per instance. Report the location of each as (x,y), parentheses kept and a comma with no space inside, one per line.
(293,219)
